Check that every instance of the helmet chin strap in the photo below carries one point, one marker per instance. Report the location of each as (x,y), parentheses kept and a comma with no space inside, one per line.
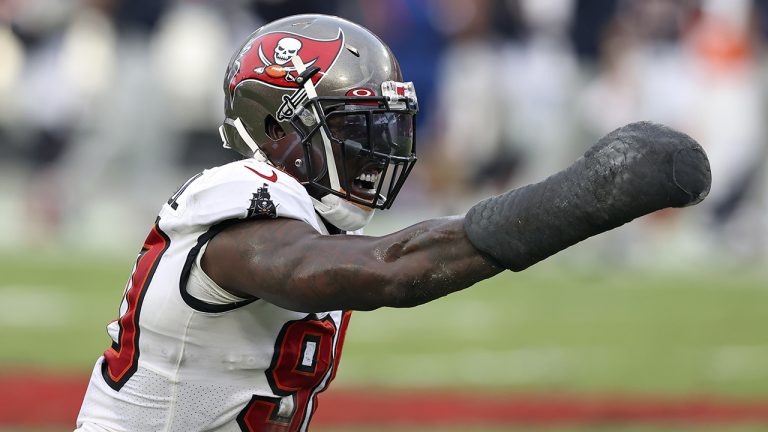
(330,161)
(223,137)
(245,136)
(342,213)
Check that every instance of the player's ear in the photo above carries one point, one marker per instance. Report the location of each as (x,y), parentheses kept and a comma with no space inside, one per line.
(273,129)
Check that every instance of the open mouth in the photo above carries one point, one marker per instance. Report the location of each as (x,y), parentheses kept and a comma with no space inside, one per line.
(364,185)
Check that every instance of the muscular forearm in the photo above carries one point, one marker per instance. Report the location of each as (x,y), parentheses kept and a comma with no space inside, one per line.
(416,265)
(432,259)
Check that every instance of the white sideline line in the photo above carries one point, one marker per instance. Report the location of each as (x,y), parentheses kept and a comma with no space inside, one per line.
(34,306)
(740,362)
(520,366)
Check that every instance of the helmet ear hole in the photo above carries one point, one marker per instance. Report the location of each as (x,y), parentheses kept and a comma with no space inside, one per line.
(273,129)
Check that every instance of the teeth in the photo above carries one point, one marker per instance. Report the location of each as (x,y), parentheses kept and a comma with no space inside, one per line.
(371,178)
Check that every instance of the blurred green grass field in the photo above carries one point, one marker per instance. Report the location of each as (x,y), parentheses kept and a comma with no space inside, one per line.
(548,329)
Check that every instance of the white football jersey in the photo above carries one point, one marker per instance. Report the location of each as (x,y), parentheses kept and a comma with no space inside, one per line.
(186,355)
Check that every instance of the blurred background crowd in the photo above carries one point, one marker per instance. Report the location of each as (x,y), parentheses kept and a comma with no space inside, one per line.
(106,106)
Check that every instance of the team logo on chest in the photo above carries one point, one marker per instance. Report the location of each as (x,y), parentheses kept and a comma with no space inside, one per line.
(262,206)
(267,58)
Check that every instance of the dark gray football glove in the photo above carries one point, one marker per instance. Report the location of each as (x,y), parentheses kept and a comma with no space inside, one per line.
(632,171)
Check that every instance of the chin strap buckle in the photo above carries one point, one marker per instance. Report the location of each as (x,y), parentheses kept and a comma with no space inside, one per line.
(307,74)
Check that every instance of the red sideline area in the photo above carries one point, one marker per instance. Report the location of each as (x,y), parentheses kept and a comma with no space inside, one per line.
(35,399)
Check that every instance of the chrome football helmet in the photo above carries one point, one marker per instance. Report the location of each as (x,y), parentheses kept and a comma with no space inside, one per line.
(323,99)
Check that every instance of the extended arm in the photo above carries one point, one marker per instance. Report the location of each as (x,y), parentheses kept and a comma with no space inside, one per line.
(289,264)
(633,171)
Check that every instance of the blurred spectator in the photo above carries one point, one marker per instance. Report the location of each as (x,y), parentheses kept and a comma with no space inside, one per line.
(727,114)
(67,54)
(469,109)
(542,74)
(504,103)
(590,19)
(120,120)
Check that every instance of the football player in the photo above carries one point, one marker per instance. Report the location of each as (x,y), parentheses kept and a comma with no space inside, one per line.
(234,315)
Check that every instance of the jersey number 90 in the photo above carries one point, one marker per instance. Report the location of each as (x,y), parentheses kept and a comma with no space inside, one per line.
(304,363)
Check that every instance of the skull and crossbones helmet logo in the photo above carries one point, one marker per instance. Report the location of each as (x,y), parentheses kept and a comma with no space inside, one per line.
(286,49)
(281,65)
(269,57)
